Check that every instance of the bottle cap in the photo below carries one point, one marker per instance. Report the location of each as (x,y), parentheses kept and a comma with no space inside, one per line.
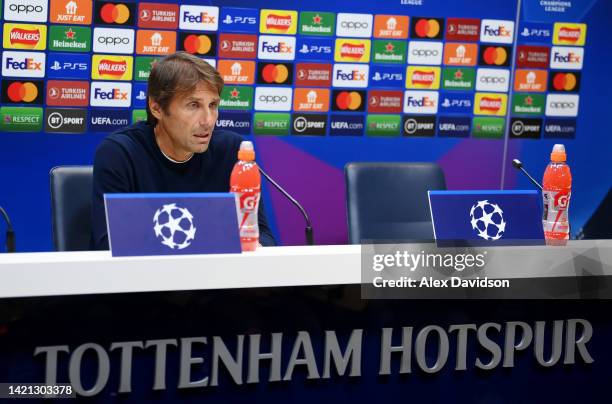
(558,154)
(246,152)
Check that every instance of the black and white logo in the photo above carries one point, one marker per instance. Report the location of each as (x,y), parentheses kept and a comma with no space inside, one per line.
(65,120)
(421,125)
(309,124)
(525,128)
(113,40)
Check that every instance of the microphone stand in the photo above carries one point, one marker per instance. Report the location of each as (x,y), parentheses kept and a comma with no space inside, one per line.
(10,233)
(519,166)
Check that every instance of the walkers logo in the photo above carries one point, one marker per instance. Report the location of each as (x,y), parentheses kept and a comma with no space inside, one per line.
(108,120)
(560,128)
(236,98)
(525,128)
(528,104)
(20,119)
(391,26)
(199,18)
(426,28)
(66,93)
(535,32)
(383,125)
(348,101)
(114,13)
(316,23)
(387,76)
(462,29)
(239,122)
(275,73)
(24,36)
(421,102)
(492,80)
(562,105)
(22,92)
(60,120)
(354,25)
(532,57)
(310,124)
(495,56)
(68,66)
(488,128)
(490,104)
(460,54)
(273,99)
(236,46)
(530,80)
(198,44)
(497,31)
(276,47)
(385,102)
(278,22)
(158,15)
(113,40)
(346,125)
(569,34)
(352,50)
(23,64)
(143,67)
(159,42)
(271,123)
(423,77)
(311,99)
(239,19)
(424,53)
(237,71)
(315,49)
(313,74)
(456,103)
(415,125)
(454,126)
(71,12)
(563,57)
(30,11)
(139,95)
(564,81)
(458,78)
(110,94)
(69,39)
(108,67)
(350,75)
(389,52)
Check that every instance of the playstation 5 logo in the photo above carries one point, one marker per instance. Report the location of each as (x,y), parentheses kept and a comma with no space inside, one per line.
(238,19)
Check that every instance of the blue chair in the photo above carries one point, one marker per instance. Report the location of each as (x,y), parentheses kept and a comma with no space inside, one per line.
(388,201)
(71,193)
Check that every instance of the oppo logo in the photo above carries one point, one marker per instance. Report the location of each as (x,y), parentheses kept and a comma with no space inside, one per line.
(562,105)
(23,8)
(492,80)
(273,98)
(425,52)
(109,40)
(354,25)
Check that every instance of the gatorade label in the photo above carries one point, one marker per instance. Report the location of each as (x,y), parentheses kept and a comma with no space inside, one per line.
(246,205)
(555,211)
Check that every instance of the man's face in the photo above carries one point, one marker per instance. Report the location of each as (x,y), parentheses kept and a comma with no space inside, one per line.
(187,124)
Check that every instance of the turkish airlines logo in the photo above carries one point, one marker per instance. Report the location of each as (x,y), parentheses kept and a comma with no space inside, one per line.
(354,25)
(385,102)
(237,71)
(68,93)
(492,80)
(462,29)
(532,56)
(273,99)
(563,57)
(562,105)
(199,18)
(350,75)
(497,31)
(421,102)
(278,22)
(30,11)
(157,15)
(424,53)
(276,47)
(23,64)
(235,46)
(313,74)
(109,40)
(110,94)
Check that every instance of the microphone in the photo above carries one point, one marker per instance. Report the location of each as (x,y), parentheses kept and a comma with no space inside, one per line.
(10,234)
(308,229)
(519,166)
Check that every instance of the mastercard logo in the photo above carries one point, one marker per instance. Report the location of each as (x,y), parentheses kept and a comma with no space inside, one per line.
(22,92)
(495,55)
(349,100)
(427,28)
(197,44)
(564,81)
(115,13)
(275,73)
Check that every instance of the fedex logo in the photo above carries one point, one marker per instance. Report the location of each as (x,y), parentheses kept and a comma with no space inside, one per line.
(351,75)
(564,57)
(23,64)
(497,31)
(199,18)
(110,94)
(421,102)
(276,47)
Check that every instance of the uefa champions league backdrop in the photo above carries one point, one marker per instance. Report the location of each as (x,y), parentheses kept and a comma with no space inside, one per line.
(470,84)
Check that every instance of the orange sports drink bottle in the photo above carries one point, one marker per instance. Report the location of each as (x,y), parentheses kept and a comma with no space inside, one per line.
(245,183)
(557,190)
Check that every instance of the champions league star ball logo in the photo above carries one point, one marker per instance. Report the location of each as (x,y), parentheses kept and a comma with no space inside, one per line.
(174,226)
(487,220)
